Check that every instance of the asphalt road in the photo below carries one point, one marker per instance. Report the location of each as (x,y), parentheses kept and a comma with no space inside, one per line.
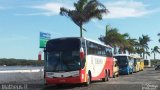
(149,79)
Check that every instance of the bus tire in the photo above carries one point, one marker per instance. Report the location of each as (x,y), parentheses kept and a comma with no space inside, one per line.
(88,80)
(131,71)
(106,78)
(114,75)
(117,75)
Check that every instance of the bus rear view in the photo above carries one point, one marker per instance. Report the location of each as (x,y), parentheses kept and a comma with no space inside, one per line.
(147,63)
(62,61)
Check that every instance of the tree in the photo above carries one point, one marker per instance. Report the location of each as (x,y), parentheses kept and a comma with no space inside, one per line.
(115,39)
(154,51)
(148,53)
(143,44)
(111,37)
(84,11)
(124,43)
(132,44)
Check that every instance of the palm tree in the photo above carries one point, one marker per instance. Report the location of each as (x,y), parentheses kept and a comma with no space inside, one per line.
(132,44)
(143,44)
(124,43)
(155,50)
(84,11)
(114,39)
(139,51)
(148,54)
(111,37)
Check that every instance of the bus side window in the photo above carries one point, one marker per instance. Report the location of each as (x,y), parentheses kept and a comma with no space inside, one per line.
(100,50)
(89,46)
(92,48)
(108,52)
(103,51)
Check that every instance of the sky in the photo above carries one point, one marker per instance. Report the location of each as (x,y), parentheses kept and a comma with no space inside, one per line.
(21,22)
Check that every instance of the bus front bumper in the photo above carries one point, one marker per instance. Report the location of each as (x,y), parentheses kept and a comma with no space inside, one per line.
(123,70)
(68,80)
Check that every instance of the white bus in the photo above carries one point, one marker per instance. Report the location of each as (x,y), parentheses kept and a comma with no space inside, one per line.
(77,60)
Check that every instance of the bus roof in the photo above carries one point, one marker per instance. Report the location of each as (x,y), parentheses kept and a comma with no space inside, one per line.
(85,39)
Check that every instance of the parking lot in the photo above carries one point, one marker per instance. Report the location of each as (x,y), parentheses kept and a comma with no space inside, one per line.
(149,79)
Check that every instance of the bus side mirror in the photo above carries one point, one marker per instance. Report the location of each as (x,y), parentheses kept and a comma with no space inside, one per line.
(81,53)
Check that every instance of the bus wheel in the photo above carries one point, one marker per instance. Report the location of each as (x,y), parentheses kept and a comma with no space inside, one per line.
(131,71)
(114,75)
(88,80)
(106,78)
(117,75)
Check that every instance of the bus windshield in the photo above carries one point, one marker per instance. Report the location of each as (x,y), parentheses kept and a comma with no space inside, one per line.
(62,55)
(135,61)
(122,61)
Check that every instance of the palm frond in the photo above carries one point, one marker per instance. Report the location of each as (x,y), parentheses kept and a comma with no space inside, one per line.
(102,38)
(92,10)
(80,5)
(155,50)
(148,53)
(125,35)
(64,11)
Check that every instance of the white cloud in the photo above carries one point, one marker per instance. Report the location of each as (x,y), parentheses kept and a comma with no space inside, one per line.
(48,9)
(117,8)
(126,8)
